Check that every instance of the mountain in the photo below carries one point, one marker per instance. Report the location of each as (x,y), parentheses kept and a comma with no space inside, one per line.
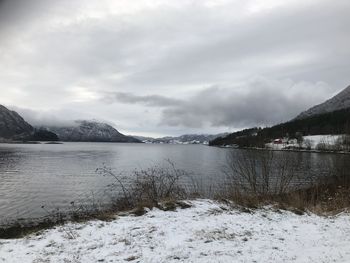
(243,138)
(90,131)
(330,117)
(330,123)
(13,126)
(183,139)
(44,135)
(338,102)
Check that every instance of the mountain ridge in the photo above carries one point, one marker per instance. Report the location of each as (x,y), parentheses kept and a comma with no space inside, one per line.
(90,131)
(329,117)
(13,126)
(183,139)
(338,102)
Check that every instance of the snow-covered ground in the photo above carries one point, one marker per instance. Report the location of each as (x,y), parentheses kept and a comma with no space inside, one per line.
(312,141)
(327,139)
(207,232)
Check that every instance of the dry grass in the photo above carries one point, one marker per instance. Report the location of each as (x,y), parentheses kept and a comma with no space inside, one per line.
(252,183)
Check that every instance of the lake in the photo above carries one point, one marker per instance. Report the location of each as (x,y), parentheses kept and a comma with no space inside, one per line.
(54,175)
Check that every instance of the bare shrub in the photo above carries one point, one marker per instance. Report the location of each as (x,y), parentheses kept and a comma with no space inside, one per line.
(258,175)
(338,145)
(300,139)
(343,143)
(323,145)
(307,144)
(329,192)
(338,172)
(346,142)
(269,177)
(330,145)
(146,188)
(158,186)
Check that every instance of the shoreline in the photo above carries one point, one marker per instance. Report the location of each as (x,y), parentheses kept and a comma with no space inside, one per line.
(281,150)
(22,228)
(208,231)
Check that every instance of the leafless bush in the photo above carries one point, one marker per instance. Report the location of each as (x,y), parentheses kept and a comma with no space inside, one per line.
(329,192)
(346,142)
(330,145)
(158,186)
(323,145)
(338,172)
(255,178)
(307,144)
(260,174)
(147,187)
(300,139)
(343,143)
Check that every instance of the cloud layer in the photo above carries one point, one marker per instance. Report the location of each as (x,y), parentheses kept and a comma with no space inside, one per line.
(170,67)
(259,102)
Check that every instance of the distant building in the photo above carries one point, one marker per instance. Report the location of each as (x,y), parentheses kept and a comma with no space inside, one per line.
(277,141)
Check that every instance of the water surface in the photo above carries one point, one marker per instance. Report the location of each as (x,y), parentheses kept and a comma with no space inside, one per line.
(54,175)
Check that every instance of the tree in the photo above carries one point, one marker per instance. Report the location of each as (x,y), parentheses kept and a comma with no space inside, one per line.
(300,139)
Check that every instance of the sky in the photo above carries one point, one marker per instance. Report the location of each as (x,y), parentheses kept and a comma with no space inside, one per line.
(164,67)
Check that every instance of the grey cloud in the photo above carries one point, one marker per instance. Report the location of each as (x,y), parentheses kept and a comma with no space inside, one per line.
(287,43)
(54,53)
(17,14)
(148,100)
(196,44)
(47,118)
(260,102)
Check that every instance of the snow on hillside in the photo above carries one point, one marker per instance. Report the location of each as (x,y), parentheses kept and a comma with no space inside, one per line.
(207,232)
(183,139)
(317,139)
(90,131)
(313,141)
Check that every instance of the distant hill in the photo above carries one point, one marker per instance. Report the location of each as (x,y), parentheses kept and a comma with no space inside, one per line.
(330,117)
(90,131)
(335,122)
(44,135)
(183,139)
(13,126)
(244,138)
(338,102)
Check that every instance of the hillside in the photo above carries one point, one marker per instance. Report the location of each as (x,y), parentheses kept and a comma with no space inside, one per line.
(330,117)
(90,131)
(336,122)
(12,125)
(184,139)
(338,102)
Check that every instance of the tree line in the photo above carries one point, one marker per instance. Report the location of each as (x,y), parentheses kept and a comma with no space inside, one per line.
(336,122)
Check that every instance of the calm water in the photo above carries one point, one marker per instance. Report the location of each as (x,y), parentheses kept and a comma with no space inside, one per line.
(32,176)
(54,175)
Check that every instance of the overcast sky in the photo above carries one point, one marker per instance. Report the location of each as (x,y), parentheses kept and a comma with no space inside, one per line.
(165,67)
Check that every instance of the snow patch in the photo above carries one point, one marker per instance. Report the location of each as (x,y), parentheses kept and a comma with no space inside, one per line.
(327,139)
(309,141)
(207,232)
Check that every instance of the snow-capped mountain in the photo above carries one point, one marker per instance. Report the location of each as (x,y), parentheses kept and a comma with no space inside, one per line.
(183,139)
(90,131)
(12,125)
(338,102)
